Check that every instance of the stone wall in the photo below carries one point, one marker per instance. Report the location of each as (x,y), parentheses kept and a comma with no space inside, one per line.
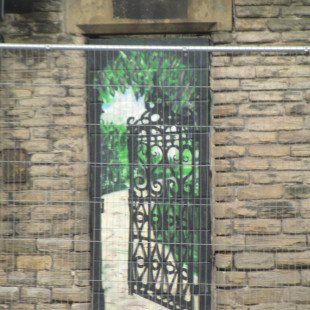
(261,154)
(44,233)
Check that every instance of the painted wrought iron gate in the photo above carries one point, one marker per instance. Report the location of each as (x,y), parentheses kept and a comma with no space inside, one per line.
(169,246)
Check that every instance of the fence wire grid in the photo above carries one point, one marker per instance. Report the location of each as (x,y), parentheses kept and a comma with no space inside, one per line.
(154,177)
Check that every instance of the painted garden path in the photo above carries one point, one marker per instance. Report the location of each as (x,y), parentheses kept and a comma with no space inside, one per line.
(115,237)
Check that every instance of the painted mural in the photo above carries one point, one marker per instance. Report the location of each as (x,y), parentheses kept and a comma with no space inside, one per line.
(151,154)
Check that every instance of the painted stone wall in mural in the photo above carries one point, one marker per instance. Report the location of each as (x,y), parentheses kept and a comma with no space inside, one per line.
(154,159)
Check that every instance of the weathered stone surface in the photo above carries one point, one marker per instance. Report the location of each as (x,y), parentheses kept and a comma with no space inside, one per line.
(6,261)
(297,294)
(35,294)
(294,137)
(257,226)
(276,95)
(222,165)
(277,209)
(82,278)
(255,109)
(85,306)
(51,212)
(34,262)
(74,261)
(295,260)
(74,294)
(288,164)
(49,183)
(55,245)
(23,307)
(251,164)
(235,209)
(277,177)
(55,278)
(275,123)
(227,124)
(305,277)
(253,137)
(73,170)
(252,296)
(230,97)
(254,260)
(274,278)
(297,192)
(33,228)
(225,297)
(269,150)
(257,11)
(223,227)
(229,244)
(236,178)
(229,151)
(71,227)
(81,243)
(305,208)
(223,261)
(227,110)
(244,72)
(273,306)
(300,150)
(52,307)
(296,226)
(230,278)
(8,294)
(21,278)
(260,192)
(223,194)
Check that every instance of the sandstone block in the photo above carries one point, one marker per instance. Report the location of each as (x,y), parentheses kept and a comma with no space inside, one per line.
(296,226)
(236,97)
(84,306)
(35,294)
(274,278)
(246,60)
(255,109)
(8,294)
(288,164)
(74,294)
(73,170)
(297,294)
(229,243)
(300,150)
(297,192)
(305,277)
(52,307)
(23,307)
(55,278)
(55,245)
(3,278)
(257,226)
(253,137)
(51,212)
(228,123)
(277,177)
(225,297)
(261,84)
(276,95)
(252,296)
(234,209)
(222,165)
(253,24)
(81,243)
(224,110)
(36,145)
(224,194)
(274,306)
(71,227)
(294,137)
(33,228)
(257,11)
(295,260)
(21,278)
(254,260)
(230,278)
(251,164)
(6,261)
(49,183)
(225,84)
(277,209)
(275,123)
(229,151)
(232,178)
(82,278)
(244,72)
(223,227)
(260,192)
(223,261)
(34,262)
(74,261)
(269,150)
(49,91)
(305,208)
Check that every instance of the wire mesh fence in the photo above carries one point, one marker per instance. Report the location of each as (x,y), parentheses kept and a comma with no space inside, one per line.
(154,177)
